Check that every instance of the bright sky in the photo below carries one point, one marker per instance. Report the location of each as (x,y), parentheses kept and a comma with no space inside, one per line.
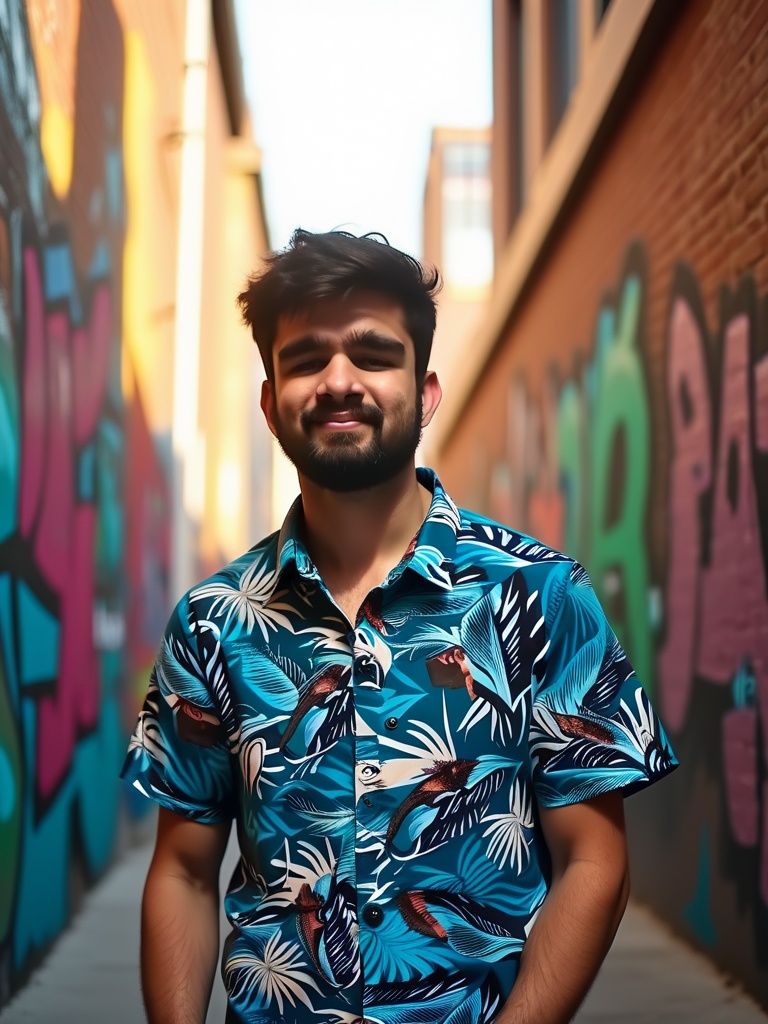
(344,94)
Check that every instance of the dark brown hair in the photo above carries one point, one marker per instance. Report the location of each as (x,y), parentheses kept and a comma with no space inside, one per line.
(330,265)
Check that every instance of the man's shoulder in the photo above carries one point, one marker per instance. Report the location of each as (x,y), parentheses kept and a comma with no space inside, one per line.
(510,558)
(248,578)
(479,531)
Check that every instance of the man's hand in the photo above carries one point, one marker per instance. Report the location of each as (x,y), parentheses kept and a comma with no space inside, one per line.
(180,919)
(579,917)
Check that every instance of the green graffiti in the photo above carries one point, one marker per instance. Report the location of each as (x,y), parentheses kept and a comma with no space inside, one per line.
(620,468)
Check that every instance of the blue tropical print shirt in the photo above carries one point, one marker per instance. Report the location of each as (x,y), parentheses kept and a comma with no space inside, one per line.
(385,774)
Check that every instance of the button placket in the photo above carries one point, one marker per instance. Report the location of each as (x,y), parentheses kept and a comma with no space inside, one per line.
(370,667)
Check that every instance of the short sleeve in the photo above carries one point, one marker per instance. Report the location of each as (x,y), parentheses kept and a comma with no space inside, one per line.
(593,728)
(179,755)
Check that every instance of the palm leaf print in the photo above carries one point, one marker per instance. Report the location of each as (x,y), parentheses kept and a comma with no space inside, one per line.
(276,976)
(246,601)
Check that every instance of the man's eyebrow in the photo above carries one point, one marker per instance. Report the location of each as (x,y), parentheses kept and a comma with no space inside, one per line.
(373,340)
(305,345)
(308,344)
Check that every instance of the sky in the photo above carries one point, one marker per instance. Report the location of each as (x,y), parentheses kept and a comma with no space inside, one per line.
(343,96)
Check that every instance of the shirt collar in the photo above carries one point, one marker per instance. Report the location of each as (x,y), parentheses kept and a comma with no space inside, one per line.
(435,550)
(290,546)
(432,556)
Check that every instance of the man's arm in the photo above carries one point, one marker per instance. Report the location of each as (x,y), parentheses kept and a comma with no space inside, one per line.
(180,919)
(580,915)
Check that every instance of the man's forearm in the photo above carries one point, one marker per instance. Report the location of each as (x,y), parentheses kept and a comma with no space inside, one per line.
(569,940)
(179,949)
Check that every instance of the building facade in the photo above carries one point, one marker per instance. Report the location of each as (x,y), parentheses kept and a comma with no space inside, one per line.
(614,400)
(458,236)
(94,131)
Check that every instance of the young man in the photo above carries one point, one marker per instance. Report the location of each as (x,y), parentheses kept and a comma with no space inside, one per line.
(420,720)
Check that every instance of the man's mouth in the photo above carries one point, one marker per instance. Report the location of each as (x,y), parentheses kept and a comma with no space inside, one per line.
(341,419)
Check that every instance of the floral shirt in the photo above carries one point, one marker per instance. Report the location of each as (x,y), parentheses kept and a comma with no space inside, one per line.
(385,774)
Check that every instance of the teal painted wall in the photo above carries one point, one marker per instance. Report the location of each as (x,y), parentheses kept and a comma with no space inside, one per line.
(83,497)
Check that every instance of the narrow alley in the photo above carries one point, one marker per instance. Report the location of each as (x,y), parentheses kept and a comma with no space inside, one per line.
(92,976)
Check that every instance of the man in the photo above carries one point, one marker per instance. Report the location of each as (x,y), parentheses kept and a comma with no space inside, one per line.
(420,720)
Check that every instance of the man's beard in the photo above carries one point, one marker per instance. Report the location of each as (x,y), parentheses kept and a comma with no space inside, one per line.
(342,461)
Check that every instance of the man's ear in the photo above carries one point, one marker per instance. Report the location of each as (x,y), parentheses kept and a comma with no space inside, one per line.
(431,393)
(268,404)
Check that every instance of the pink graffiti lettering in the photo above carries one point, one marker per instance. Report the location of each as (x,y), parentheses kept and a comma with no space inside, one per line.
(733,600)
(65,379)
(734,609)
(75,705)
(716,603)
(690,477)
(90,362)
(33,428)
(54,529)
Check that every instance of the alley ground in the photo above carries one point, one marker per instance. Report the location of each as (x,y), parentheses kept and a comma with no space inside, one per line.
(92,976)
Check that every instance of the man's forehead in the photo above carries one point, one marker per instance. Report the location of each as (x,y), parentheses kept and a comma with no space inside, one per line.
(340,316)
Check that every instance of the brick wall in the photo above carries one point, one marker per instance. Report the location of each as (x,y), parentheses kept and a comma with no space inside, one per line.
(624,417)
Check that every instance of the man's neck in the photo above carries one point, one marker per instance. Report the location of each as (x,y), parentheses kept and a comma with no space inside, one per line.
(357,537)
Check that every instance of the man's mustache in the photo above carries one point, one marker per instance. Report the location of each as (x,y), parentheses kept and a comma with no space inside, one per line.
(370,414)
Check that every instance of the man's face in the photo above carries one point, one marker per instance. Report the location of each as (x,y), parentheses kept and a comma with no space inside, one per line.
(344,403)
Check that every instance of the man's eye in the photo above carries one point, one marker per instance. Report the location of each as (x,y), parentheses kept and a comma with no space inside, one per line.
(374,363)
(307,366)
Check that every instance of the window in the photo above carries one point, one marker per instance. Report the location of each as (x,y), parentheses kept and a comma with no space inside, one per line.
(563,56)
(515,99)
(509,153)
(466,199)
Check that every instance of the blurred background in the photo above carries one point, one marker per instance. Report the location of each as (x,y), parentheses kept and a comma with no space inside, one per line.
(591,176)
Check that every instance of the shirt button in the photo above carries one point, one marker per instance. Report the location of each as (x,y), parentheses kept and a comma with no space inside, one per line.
(372,915)
(367,801)
(391,723)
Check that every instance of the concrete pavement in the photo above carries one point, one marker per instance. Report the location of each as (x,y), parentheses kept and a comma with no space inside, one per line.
(651,977)
(92,974)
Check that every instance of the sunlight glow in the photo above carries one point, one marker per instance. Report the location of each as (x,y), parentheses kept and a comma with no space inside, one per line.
(345,95)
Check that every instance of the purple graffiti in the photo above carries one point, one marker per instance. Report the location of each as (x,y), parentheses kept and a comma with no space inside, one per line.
(65,379)
(690,477)
(716,602)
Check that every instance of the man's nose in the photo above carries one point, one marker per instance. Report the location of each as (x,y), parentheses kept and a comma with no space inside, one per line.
(339,379)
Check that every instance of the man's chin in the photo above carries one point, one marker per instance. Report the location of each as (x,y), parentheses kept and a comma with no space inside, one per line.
(334,439)
(345,477)
(351,471)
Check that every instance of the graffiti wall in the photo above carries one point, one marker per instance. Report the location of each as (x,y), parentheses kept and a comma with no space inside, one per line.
(83,494)
(622,415)
(649,463)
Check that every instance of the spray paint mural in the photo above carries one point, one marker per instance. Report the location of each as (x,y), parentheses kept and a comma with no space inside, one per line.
(83,497)
(663,494)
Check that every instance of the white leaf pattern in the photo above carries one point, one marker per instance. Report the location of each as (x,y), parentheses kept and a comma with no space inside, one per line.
(384,776)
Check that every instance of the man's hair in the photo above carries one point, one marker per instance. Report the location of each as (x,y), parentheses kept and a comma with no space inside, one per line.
(330,265)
